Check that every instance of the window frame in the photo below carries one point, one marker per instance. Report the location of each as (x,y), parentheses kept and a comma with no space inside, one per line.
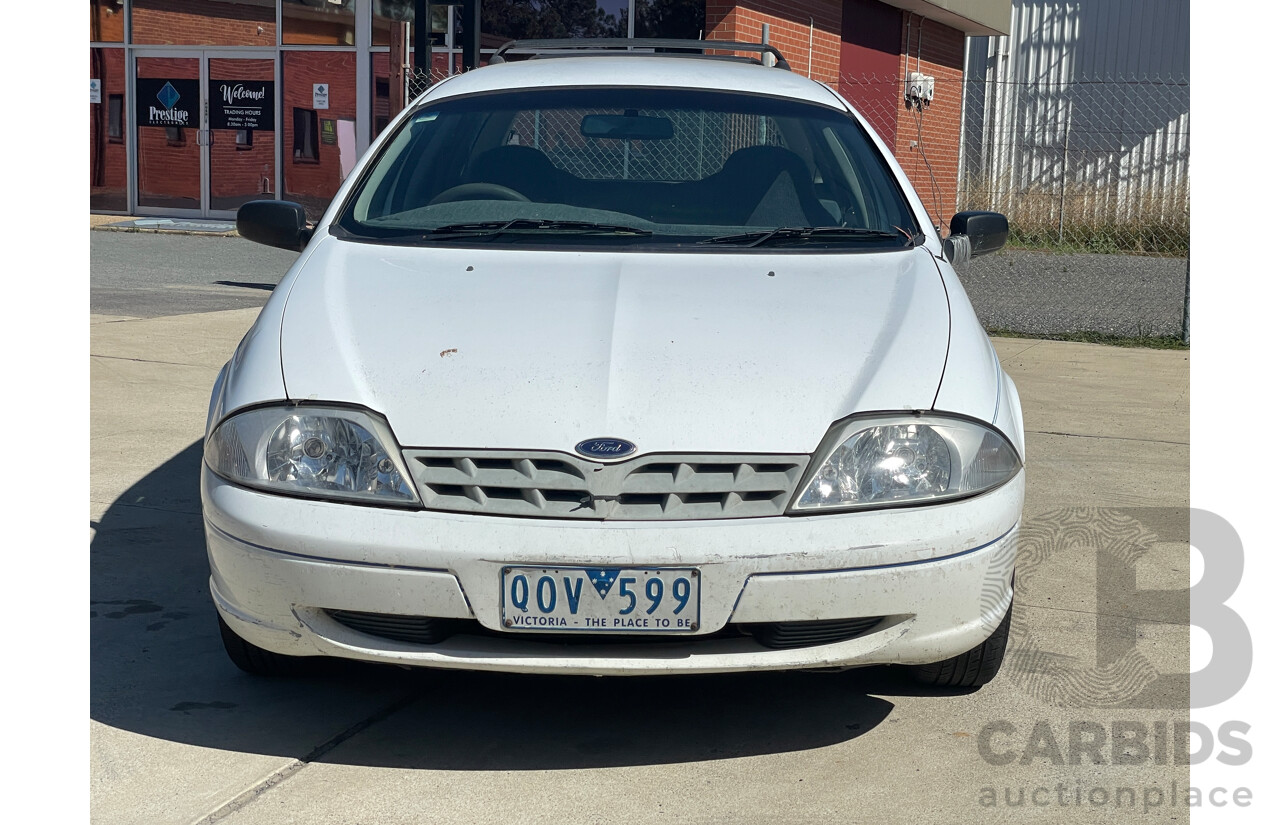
(115,118)
(310,149)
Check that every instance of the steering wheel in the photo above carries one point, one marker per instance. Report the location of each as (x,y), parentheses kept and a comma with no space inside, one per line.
(477,192)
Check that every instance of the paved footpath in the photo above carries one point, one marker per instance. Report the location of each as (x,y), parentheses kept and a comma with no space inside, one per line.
(178,735)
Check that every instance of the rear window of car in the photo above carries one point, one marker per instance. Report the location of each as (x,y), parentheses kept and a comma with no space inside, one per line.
(632,168)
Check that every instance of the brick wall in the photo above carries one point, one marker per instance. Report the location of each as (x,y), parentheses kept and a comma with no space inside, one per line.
(306,26)
(204,22)
(313,183)
(788,30)
(108,158)
(870,54)
(106,21)
(937,128)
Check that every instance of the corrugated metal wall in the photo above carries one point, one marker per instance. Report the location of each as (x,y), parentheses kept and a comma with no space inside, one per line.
(1085,102)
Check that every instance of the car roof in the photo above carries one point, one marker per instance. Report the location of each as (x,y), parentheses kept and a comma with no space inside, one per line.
(636,70)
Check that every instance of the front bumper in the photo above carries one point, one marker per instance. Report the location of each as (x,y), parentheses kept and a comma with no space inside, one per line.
(940,576)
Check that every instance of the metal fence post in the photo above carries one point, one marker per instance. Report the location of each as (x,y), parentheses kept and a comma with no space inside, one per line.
(1186,306)
(1062,196)
(471,35)
(422,37)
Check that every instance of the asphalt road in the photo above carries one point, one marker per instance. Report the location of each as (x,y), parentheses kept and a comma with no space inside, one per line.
(1043,293)
(146,275)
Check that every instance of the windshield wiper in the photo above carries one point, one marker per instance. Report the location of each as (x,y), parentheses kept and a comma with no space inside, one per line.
(483,229)
(803,234)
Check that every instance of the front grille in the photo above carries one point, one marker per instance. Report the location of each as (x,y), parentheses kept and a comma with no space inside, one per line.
(650,487)
(430,630)
(421,630)
(782,635)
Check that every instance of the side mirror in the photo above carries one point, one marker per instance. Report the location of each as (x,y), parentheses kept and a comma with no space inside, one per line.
(275,223)
(974,234)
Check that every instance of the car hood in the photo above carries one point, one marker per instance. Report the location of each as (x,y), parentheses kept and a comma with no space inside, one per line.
(681,352)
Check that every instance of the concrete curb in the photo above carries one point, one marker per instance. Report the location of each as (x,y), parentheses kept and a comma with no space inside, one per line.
(108,228)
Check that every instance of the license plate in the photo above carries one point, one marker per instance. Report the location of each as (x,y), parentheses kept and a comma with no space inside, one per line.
(601,600)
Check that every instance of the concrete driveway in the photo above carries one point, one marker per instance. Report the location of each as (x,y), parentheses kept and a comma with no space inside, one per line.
(180,736)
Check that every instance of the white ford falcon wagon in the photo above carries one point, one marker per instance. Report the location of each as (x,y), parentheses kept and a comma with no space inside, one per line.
(618,363)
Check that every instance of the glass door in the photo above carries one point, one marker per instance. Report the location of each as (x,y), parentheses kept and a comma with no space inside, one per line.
(167,105)
(242,131)
(206,132)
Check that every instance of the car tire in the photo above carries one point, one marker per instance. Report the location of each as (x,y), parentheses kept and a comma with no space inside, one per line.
(971,669)
(252,659)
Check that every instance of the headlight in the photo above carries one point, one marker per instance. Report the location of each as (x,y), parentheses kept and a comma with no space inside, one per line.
(312,451)
(903,459)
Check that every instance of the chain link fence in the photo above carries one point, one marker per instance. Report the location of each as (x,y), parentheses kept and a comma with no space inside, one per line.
(1093,176)
(698,147)
(418,82)
(1092,166)
(699,144)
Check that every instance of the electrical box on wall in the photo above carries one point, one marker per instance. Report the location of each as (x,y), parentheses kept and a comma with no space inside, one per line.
(919,91)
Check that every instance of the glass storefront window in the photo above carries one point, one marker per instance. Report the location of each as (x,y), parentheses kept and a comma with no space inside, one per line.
(108,151)
(681,19)
(309,146)
(319,22)
(502,20)
(319,126)
(106,21)
(388,12)
(205,22)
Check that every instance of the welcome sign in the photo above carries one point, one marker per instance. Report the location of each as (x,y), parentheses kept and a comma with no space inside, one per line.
(242,104)
(163,102)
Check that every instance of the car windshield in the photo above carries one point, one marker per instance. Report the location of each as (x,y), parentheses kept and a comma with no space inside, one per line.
(630,168)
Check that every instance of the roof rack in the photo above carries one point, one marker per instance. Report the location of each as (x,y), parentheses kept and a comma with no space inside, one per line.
(598,45)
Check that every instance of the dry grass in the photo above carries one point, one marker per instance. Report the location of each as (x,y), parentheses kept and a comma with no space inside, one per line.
(1087,219)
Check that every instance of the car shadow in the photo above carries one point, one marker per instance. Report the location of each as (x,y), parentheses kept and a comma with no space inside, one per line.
(157,668)
(247,285)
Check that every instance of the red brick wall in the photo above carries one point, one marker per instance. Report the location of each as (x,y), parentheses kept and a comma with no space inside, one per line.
(108,160)
(238,172)
(313,183)
(788,30)
(204,22)
(941,51)
(307,26)
(870,53)
(106,21)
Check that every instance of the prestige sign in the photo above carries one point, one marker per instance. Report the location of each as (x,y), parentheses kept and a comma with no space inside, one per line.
(162,102)
(242,104)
